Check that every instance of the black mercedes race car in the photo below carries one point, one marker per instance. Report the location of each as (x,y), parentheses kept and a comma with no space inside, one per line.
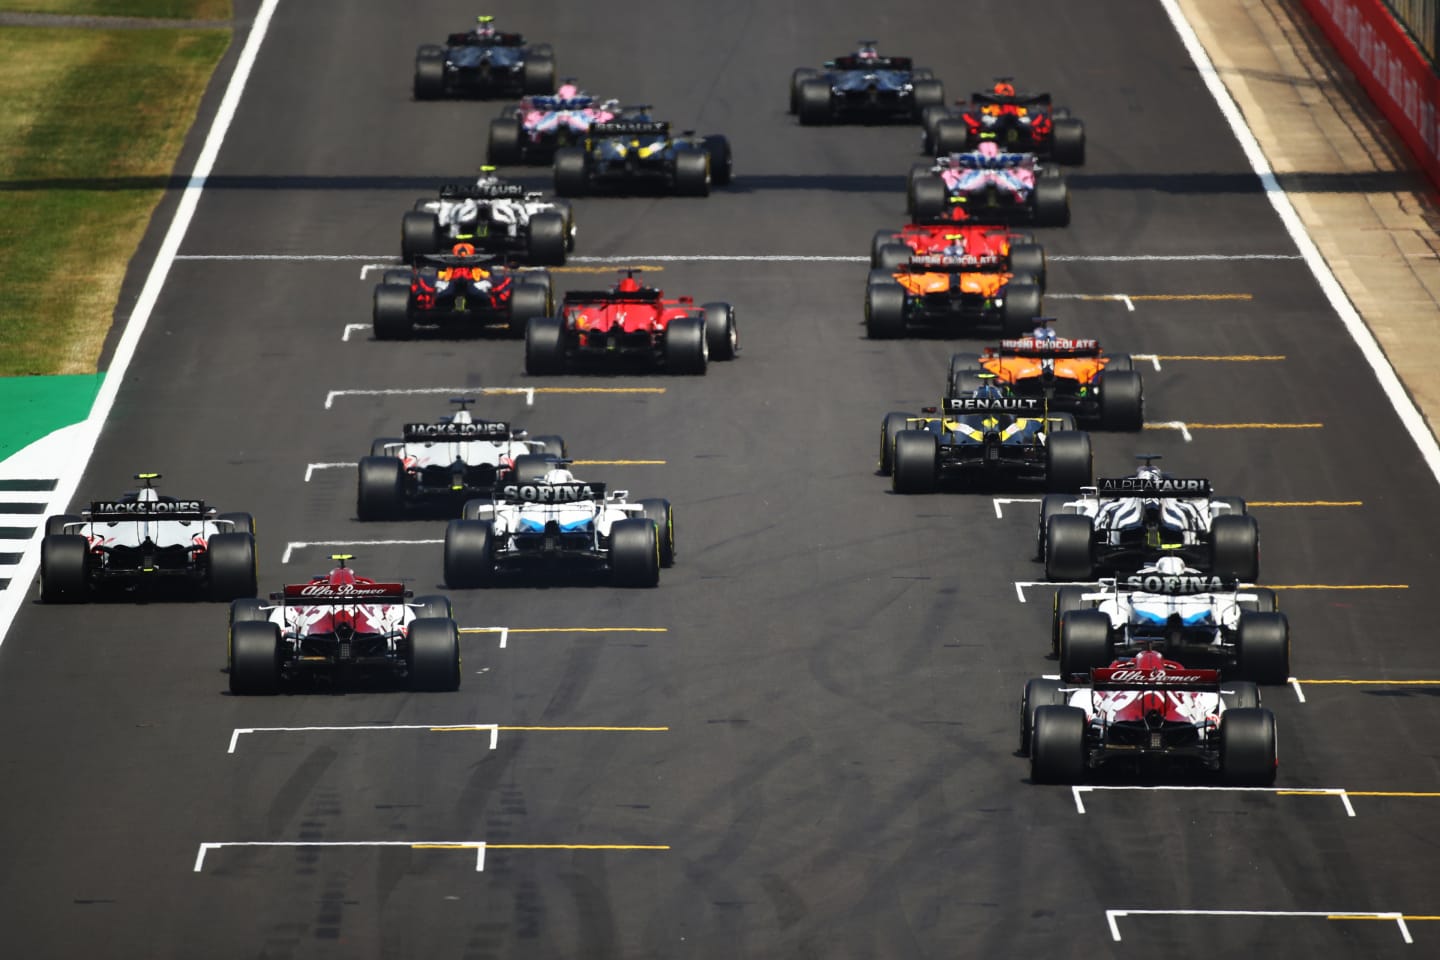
(865,87)
(636,154)
(483,63)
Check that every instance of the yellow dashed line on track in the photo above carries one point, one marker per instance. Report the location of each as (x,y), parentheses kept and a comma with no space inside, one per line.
(1217,358)
(566,629)
(1305,503)
(619,463)
(578,846)
(583,390)
(1191,296)
(1373,683)
(1338,586)
(609,268)
(1237,426)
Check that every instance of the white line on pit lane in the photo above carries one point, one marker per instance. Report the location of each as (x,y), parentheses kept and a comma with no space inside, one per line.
(999,501)
(1112,916)
(349,327)
(493,728)
(1339,792)
(381,261)
(294,545)
(1118,297)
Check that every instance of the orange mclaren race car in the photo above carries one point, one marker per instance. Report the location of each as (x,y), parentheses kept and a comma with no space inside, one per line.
(990,248)
(950,289)
(1101,390)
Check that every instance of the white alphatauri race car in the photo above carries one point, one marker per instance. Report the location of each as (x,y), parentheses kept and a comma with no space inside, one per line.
(493,216)
(448,461)
(1189,615)
(1124,523)
(1151,715)
(559,523)
(143,543)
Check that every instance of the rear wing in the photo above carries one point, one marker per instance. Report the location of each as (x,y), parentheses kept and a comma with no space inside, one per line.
(1172,585)
(1012,406)
(983,98)
(873,63)
(498,40)
(1186,488)
(932,261)
(539,492)
(580,297)
(490,191)
(1130,678)
(115,511)
(630,128)
(1001,161)
(450,260)
(1057,347)
(325,594)
(451,432)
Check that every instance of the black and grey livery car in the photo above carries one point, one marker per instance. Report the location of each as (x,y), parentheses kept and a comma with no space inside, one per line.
(864,87)
(144,544)
(640,154)
(501,65)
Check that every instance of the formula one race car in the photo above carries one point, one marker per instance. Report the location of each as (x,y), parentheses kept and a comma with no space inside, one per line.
(493,216)
(1179,610)
(635,152)
(1150,715)
(1024,122)
(459,292)
(556,524)
(1101,390)
(988,248)
(144,544)
(631,322)
(1125,523)
(340,627)
(953,291)
(863,86)
(452,460)
(986,441)
(988,186)
(483,63)
(532,131)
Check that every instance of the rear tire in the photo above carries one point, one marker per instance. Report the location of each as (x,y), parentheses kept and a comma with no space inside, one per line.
(686,351)
(254,658)
(1247,747)
(545,346)
(1057,745)
(722,161)
(634,553)
(433,655)
(233,573)
(1068,548)
(380,488)
(62,568)
(797,79)
(469,554)
(915,467)
(884,310)
(391,313)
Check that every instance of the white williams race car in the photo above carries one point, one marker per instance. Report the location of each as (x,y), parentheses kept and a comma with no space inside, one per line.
(445,462)
(560,523)
(494,216)
(1123,523)
(143,542)
(1189,615)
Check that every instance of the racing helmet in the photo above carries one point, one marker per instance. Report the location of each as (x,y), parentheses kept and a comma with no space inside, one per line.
(989,391)
(463,250)
(568,91)
(988,149)
(867,51)
(1149,472)
(341,576)
(1003,88)
(559,475)
(628,284)
(1170,566)
(1149,660)
(485,26)
(954,245)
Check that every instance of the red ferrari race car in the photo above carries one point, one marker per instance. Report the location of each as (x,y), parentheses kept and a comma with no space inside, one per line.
(631,322)
(1026,122)
(341,626)
(459,292)
(985,248)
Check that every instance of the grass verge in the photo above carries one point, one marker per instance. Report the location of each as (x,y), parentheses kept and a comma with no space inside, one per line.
(165,9)
(93,122)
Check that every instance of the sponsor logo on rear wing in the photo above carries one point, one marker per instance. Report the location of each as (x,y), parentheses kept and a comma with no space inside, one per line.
(1050,347)
(479,430)
(1015,406)
(945,260)
(1147,487)
(630,128)
(323,593)
(1130,678)
(572,492)
(113,510)
(1177,585)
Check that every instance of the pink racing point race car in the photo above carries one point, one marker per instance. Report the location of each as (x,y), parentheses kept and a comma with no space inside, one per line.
(988,186)
(340,627)
(531,132)
(1148,716)
(985,248)
(631,322)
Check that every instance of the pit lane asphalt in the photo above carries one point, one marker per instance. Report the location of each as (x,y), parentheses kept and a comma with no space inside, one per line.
(841,667)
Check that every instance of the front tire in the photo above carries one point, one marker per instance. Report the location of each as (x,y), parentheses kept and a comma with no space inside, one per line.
(722,336)
(662,514)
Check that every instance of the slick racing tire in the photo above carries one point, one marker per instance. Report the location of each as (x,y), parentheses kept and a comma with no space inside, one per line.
(884,310)
(1240,694)
(927,93)
(1235,506)
(432,655)
(1038,693)
(469,554)
(254,659)
(396,278)
(915,467)
(470,509)
(686,349)
(1051,504)
(538,74)
(1029,258)
(247,610)
(1122,400)
(57,523)
(882,238)
(952,135)
(931,201)
(419,235)
(390,313)
(1068,461)
(429,74)
(504,147)
(930,117)
(692,173)
(1022,306)
(529,301)
(433,605)
(1052,202)
(1057,745)
(722,336)
(1085,642)
(814,107)
(379,488)
(797,79)
(1247,747)
(572,176)
(1068,549)
(239,522)
(663,515)
(634,553)
(1067,599)
(62,568)
(1235,548)
(890,428)
(548,240)
(530,468)
(545,346)
(1264,647)
(1067,141)
(892,256)
(925,168)
(722,162)
(381,446)
(233,573)
(553,446)
(1264,602)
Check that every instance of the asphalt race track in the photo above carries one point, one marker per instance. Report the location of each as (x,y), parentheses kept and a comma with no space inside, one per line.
(837,669)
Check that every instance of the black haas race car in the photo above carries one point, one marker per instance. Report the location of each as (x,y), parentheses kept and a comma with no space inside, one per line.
(1019,122)
(459,293)
(483,63)
(636,153)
